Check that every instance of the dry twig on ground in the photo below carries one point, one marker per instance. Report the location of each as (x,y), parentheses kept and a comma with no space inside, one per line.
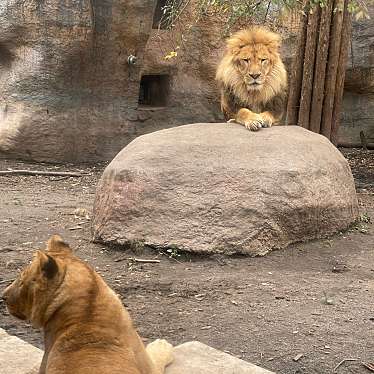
(41,172)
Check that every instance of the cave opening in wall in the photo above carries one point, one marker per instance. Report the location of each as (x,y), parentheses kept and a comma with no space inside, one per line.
(154,90)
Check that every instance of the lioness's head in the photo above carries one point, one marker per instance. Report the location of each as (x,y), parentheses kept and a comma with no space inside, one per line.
(29,296)
(254,54)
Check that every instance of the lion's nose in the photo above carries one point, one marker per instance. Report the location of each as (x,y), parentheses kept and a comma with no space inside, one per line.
(255,76)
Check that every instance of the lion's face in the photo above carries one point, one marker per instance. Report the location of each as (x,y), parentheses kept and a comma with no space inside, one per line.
(255,63)
(34,286)
(252,63)
(19,295)
(31,287)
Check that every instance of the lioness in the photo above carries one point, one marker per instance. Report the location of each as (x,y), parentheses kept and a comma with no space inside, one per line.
(252,79)
(86,328)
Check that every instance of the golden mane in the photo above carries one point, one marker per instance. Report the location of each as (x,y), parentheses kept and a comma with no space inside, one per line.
(254,35)
(231,79)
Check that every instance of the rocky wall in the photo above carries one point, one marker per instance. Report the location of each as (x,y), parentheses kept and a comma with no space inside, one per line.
(358,110)
(67,92)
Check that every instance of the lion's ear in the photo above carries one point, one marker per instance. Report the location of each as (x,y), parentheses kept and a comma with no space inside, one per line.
(234,51)
(56,244)
(47,265)
(275,43)
(275,46)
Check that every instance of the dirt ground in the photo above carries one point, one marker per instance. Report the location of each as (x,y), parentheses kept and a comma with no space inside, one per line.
(314,299)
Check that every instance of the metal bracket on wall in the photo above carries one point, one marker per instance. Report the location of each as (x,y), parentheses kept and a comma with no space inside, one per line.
(131,60)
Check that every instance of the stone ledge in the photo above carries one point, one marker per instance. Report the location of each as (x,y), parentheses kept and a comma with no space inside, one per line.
(19,357)
(198,358)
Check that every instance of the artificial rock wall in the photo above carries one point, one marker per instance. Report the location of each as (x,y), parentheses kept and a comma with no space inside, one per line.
(68,94)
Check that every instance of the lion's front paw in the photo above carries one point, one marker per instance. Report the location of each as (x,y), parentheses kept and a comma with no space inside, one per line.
(258,124)
(254,125)
(253,121)
(266,123)
(161,352)
(161,345)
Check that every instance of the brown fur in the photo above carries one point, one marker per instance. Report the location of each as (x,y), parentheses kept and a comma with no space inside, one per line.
(86,328)
(252,79)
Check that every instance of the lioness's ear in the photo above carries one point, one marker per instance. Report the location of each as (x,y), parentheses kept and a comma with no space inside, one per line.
(56,244)
(47,265)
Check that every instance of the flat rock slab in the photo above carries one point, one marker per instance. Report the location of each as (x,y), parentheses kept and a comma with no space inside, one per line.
(198,358)
(219,188)
(19,357)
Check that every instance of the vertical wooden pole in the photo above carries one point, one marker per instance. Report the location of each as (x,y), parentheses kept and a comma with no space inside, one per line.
(332,67)
(320,68)
(318,71)
(308,69)
(342,65)
(296,75)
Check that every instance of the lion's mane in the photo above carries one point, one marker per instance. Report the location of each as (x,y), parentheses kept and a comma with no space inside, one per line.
(234,92)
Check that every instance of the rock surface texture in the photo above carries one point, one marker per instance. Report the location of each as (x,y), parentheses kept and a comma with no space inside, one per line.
(19,357)
(218,188)
(67,92)
(358,106)
(198,358)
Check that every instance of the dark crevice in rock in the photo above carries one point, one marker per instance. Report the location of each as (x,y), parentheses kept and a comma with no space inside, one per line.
(6,56)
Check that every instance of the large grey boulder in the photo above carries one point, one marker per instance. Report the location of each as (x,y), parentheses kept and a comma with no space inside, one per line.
(218,188)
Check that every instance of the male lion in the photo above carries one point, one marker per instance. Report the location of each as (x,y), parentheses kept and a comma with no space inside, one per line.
(86,328)
(252,79)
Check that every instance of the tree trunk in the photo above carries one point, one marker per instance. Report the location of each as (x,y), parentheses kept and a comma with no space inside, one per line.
(296,76)
(308,70)
(318,70)
(332,67)
(339,89)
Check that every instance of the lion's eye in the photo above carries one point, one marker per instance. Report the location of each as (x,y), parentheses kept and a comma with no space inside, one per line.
(264,59)
(246,59)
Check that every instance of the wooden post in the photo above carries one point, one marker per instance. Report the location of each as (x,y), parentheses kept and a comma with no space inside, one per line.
(308,70)
(320,68)
(318,71)
(342,65)
(332,67)
(296,75)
